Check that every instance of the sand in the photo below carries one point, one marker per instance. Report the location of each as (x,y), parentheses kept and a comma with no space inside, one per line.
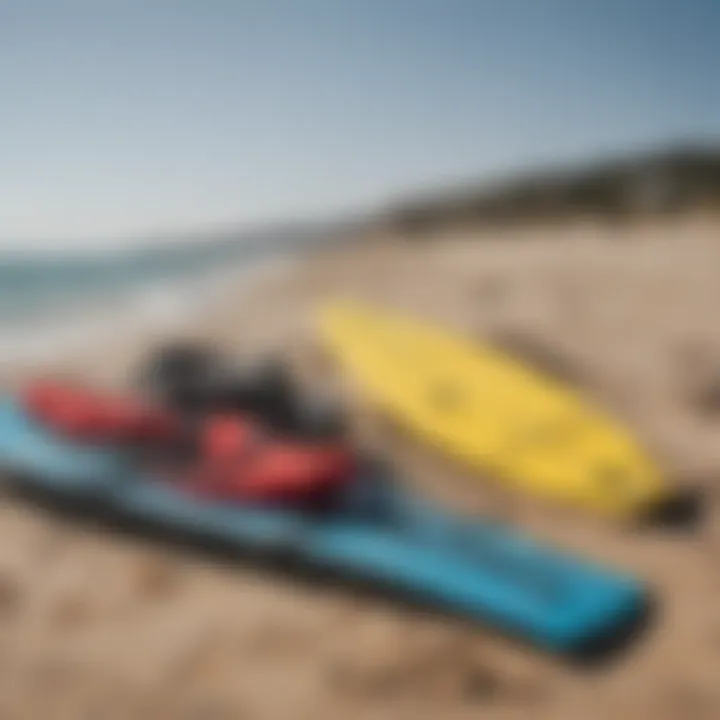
(94,624)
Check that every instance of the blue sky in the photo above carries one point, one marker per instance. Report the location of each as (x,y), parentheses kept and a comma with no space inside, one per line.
(121,118)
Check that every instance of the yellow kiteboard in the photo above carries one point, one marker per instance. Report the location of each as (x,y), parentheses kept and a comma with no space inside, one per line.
(493,412)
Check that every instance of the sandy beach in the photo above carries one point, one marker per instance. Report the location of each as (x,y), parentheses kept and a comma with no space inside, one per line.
(98,625)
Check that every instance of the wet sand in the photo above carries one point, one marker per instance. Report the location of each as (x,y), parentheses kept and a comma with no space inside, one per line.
(95,624)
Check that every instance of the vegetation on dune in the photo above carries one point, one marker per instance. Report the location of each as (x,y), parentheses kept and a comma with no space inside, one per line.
(655,183)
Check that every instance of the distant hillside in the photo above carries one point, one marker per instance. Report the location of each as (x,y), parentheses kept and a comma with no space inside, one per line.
(660,182)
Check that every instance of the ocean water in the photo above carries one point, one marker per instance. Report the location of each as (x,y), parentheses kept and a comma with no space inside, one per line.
(54,306)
